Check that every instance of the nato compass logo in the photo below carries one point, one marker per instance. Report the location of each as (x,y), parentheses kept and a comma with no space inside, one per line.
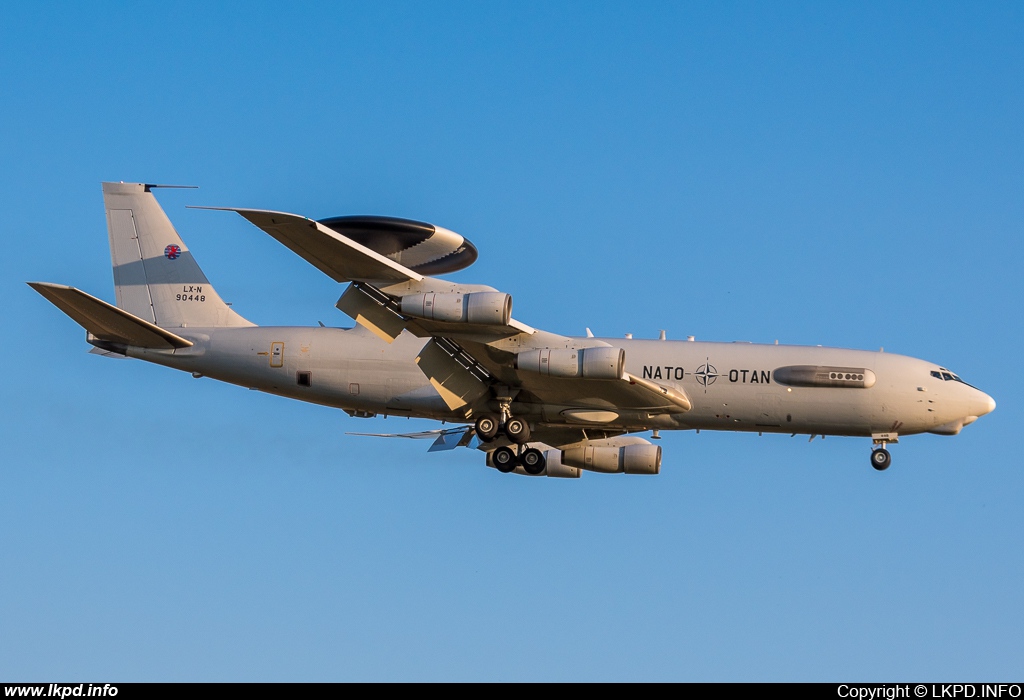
(172,252)
(706,374)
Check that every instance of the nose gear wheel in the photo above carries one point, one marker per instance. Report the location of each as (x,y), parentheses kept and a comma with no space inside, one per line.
(881,459)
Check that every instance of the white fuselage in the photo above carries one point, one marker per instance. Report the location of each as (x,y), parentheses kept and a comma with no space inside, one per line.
(732,386)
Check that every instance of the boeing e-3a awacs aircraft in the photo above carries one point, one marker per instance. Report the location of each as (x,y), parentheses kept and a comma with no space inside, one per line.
(535,402)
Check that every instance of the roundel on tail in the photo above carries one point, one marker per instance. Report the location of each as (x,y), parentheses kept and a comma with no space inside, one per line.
(422,247)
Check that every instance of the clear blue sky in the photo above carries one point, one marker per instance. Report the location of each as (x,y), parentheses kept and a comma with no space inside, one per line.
(845,176)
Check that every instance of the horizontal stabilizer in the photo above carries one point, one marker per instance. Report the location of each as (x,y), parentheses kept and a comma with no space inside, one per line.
(339,257)
(444,439)
(451,440)
(107,322)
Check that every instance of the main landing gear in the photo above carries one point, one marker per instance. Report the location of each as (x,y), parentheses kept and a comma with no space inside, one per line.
(487,427)
(516,430)
(505,459)
(531,460)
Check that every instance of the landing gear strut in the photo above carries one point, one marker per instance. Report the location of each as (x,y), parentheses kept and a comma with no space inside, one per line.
(516,430)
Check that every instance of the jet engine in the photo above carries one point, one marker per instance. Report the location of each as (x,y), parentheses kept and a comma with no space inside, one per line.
(553,466)
(589,363)
(490,308)
(631,459)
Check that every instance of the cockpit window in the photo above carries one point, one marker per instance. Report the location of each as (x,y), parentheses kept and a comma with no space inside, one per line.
(947,376)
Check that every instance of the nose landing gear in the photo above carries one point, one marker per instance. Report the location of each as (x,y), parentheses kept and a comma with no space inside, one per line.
(880,457)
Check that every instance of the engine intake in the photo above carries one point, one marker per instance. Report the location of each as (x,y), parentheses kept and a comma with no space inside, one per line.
(589,363)
(489,308)
(631,459)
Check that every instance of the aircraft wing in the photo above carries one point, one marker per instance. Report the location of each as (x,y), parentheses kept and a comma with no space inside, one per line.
(594,397)
(334,250)
(463,356)
(381,314)
(339,257)
(630,392)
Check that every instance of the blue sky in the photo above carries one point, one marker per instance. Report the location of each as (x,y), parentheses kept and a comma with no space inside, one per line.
(845,176)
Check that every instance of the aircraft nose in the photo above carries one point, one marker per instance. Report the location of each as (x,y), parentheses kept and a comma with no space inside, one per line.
(981,404)
(988,404)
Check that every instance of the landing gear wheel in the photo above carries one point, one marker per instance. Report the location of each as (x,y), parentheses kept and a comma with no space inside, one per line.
(487,427)
(505,459)
(517,430)
(881,459)
(533,461)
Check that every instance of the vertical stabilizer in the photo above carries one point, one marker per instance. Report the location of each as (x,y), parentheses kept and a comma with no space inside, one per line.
(155,276)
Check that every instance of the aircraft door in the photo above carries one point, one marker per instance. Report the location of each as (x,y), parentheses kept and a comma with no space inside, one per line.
(277,354)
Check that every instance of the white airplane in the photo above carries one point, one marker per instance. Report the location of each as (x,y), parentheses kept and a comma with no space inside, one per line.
(535,402)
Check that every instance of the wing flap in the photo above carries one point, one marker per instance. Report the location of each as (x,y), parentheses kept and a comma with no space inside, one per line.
(458,384)
(370,312)
(107,322)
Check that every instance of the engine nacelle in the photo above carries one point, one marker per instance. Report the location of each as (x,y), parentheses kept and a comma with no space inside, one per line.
(555,468)
(589,363)
(491,308)
(631,459)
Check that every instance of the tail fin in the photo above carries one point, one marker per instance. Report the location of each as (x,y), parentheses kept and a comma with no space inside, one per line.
(155,276)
